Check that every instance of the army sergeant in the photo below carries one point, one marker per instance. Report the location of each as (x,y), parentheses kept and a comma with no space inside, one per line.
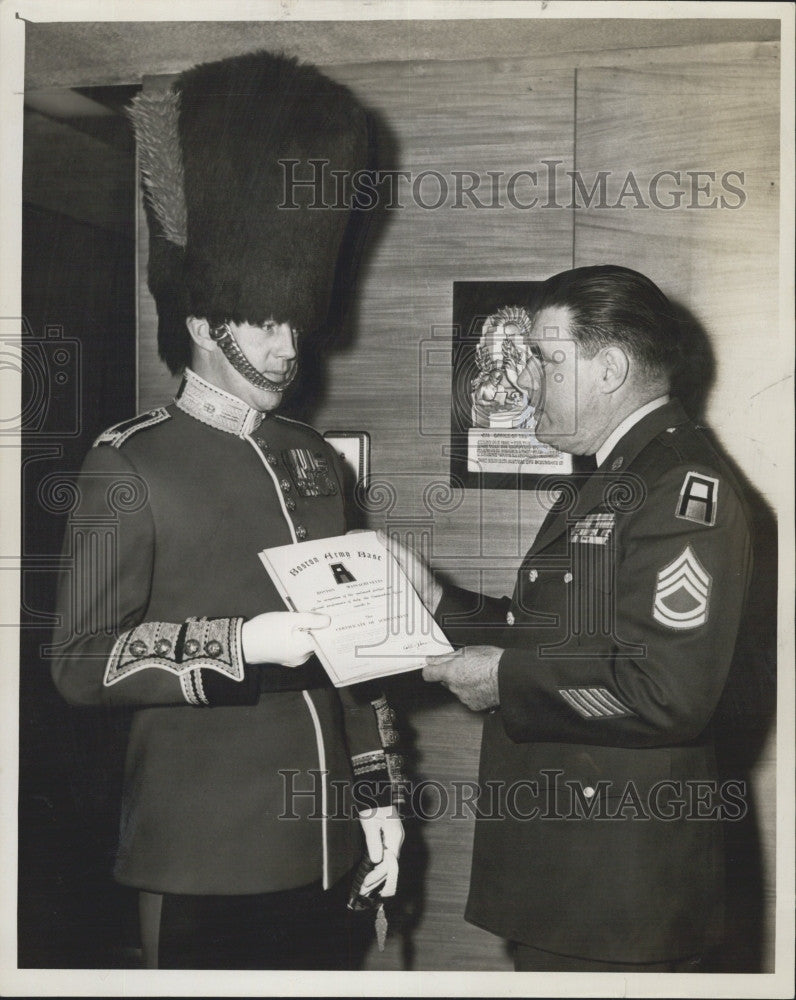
(602,671)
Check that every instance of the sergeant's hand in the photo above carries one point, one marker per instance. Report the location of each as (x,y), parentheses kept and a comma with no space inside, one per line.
(281,637)
(384,835)
(417,570)
(471,673)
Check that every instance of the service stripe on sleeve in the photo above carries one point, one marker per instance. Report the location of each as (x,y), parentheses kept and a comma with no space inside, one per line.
(594,702)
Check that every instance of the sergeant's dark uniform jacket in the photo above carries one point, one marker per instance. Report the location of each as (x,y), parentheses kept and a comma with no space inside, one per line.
(161,570)
(618,641)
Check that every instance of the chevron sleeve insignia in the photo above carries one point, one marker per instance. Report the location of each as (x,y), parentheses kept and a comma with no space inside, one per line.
(682,593)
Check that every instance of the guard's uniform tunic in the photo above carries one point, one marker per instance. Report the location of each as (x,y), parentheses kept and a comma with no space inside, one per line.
(618,640)
(161,570)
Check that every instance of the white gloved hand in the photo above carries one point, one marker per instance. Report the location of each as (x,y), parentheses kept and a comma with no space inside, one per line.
(416,569)
(282,637)
(384,835)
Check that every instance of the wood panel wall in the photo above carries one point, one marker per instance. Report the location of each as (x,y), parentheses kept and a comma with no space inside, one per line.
(392,378)
(395,381)
(722,266)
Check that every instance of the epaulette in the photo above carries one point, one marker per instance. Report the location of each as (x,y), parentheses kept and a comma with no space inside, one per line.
(689,443)
(116,436)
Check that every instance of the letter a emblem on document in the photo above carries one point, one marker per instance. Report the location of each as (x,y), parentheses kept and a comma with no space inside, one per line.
(682,592)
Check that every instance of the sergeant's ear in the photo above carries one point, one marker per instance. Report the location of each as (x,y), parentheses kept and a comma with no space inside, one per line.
(199,329)
(614,367)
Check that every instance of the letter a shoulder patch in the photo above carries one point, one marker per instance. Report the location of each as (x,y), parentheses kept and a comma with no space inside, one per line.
(682,593)
(698,500)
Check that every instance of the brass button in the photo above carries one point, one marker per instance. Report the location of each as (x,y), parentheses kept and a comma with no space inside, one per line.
(191,647)
(272,459)
(162,646)
(138,648)
(213,647)
(290,503)
(509,618)
(567,578)
(588,791)
(285,486)
(533,575)
(301,531)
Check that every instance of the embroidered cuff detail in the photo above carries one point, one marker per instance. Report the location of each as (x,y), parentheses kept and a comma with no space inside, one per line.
(385,719)
(369,764)
(381,775)
(211,644)
(192,687)
(383,768)
(398,779)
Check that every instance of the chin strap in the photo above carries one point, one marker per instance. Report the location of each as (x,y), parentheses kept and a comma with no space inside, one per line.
(223,336)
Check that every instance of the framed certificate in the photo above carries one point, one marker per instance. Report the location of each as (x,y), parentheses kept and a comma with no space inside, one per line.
(493,416)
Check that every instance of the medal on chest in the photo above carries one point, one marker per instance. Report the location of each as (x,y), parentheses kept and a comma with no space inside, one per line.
(593,529)
(309,470)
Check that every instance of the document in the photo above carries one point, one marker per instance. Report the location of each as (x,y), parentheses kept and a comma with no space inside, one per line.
(379,624)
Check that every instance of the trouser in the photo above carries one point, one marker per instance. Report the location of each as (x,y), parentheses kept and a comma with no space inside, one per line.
(304,928)
(528,959)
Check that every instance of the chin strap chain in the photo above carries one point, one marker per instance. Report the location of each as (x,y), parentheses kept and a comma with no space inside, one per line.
(222,335)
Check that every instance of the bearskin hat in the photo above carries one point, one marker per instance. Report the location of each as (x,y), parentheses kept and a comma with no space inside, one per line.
(233,236)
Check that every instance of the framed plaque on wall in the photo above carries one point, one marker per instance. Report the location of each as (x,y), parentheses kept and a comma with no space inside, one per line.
(498,388)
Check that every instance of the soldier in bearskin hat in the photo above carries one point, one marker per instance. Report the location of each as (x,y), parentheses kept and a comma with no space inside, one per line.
(170,612)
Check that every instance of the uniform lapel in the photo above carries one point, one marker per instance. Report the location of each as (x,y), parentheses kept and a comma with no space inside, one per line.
(591,490)
(556,521)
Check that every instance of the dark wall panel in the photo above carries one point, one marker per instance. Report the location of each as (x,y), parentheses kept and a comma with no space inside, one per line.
(78,377)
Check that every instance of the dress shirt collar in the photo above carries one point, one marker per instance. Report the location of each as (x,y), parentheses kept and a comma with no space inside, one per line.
(620,430)
(220,409)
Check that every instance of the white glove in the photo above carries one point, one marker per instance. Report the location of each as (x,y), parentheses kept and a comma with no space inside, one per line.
(384,834)
(282,637)
(416,569)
